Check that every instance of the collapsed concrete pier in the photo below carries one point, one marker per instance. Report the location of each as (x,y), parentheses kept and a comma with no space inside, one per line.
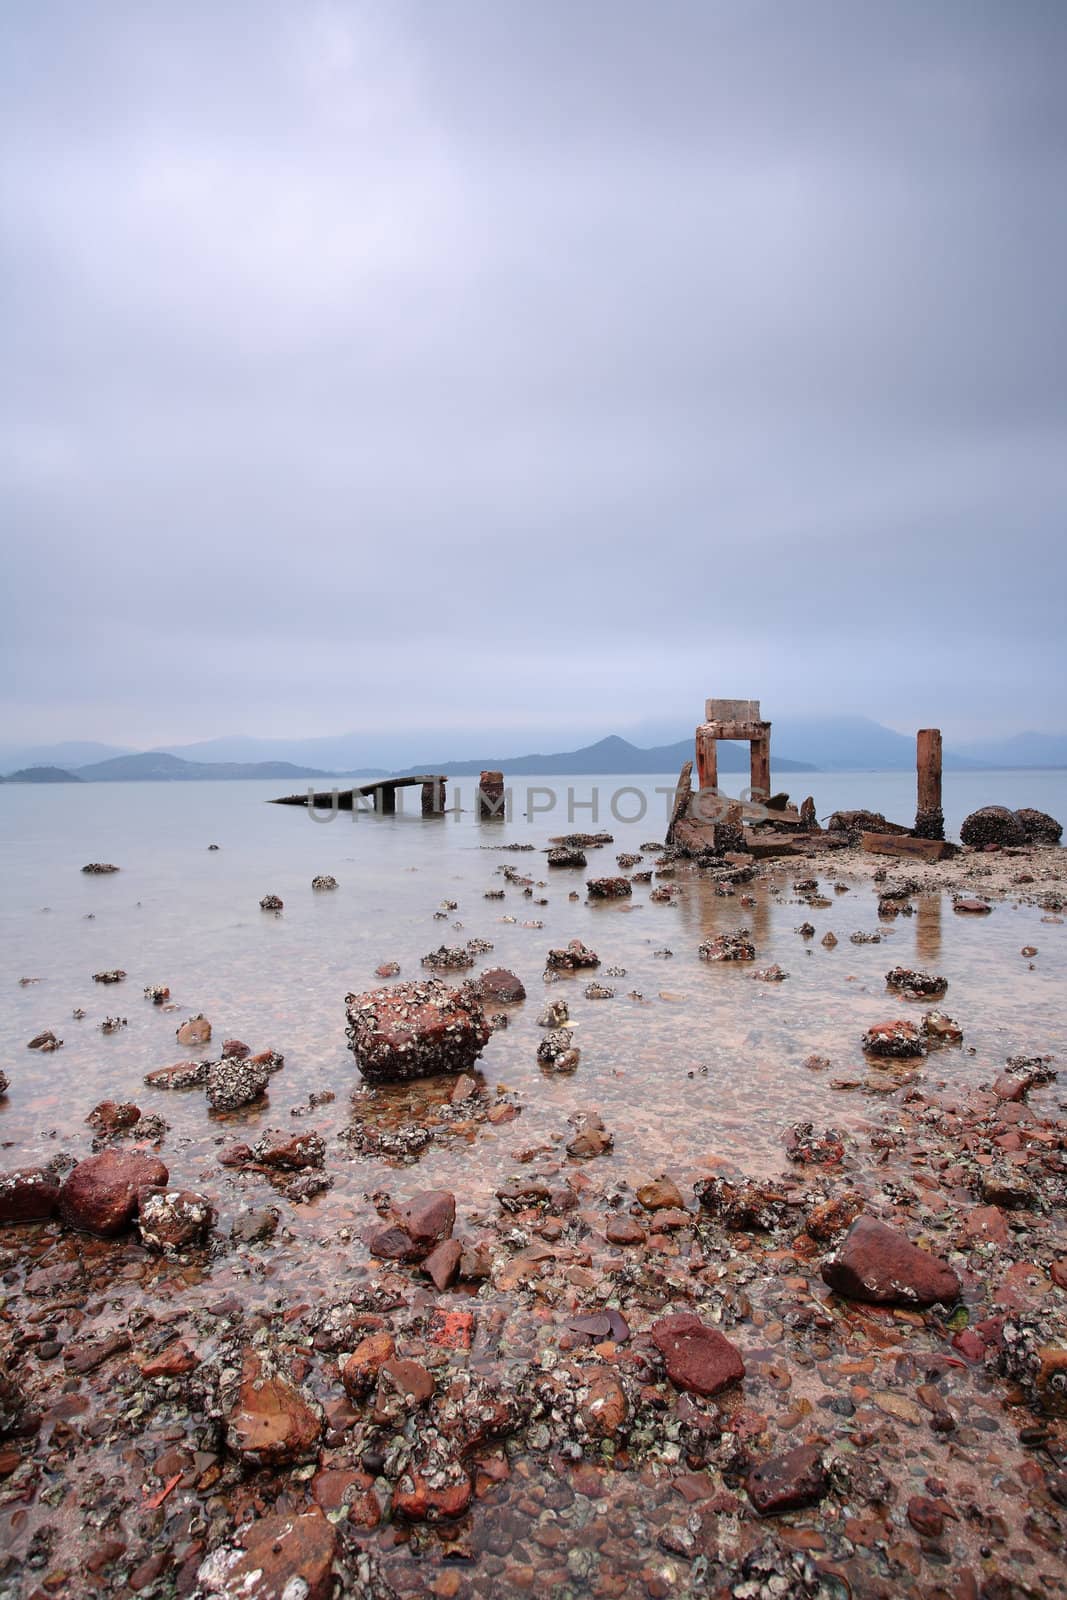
(381,792)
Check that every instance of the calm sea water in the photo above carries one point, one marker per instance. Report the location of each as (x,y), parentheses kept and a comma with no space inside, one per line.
(188,917)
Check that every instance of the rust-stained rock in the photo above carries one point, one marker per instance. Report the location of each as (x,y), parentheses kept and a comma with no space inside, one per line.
(501,987)
(182,1075)
(785,1482)
(880,1264)
(196,1031)
(271,1424)
(660,1193)
(415,1030)
(606,1408)
(698,1358)
(101,1194)
(728,947)
(360,1372)
(284,1556)
(442,1263)
(28,1194)
(411,1231)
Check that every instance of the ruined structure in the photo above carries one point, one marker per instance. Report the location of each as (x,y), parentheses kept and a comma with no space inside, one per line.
(734,719)
(382,793)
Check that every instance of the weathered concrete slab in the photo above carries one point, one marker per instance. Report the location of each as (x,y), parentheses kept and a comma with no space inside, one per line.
(731,711)
(900,844)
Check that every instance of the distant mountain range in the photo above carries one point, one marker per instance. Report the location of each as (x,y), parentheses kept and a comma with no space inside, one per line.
(610,755)
(799,744)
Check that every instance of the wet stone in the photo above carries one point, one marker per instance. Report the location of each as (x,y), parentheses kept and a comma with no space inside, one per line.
(101,1194)
(698,1358)
(879,1264)
(785,1482)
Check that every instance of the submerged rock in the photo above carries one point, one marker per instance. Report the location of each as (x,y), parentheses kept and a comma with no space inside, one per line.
(283,1556)
(562,855)
(271,1423)
(698,1358)
(410,1232)
(415,1030)
(98,868)
(271,902)
(788,1481)
(324,881)
(879,1264)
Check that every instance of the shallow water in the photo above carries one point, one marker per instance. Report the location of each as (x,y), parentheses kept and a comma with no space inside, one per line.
(689,1058)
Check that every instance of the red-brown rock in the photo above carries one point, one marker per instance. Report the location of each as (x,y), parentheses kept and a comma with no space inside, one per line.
(795,1478)
(286,1554)
(271,1424)
(501,986)
(411,1231)
(100,1195)
(606,1408)
(196,1031)
(698,1358)
(879,1264)
(442,1263)
(28,1194)
(172,1220)
(360,1372)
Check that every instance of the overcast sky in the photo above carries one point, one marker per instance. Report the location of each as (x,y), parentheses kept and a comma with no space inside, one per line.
(528,364)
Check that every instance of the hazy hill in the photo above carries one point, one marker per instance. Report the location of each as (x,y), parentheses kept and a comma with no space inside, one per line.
(611,755)
(68,755)
(158,766)
(42,775)
(1021,750)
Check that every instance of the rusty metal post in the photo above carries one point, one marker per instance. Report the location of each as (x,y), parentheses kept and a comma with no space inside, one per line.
(929,817)
(707,760)
(760,766)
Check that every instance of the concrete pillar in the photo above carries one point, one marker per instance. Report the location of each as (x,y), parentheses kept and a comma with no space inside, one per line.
(707,760)
(433,797)
(929,817)
(760,766)
(491,797)
(385,800)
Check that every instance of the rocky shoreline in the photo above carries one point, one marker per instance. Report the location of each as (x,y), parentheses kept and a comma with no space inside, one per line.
(849,1377)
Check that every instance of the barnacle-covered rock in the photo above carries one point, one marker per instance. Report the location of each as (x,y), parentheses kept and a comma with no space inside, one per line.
(993,825)
(728,947)
(99,868)
(232,1083)
(173,1220)
(576,955)
(609,888)
(562,855)
(915,984)
(415,1030)
(898,1040)
(1039,827)
(271,902)
(324,880)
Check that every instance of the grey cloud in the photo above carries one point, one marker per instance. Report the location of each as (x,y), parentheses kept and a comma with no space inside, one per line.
(604,354)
